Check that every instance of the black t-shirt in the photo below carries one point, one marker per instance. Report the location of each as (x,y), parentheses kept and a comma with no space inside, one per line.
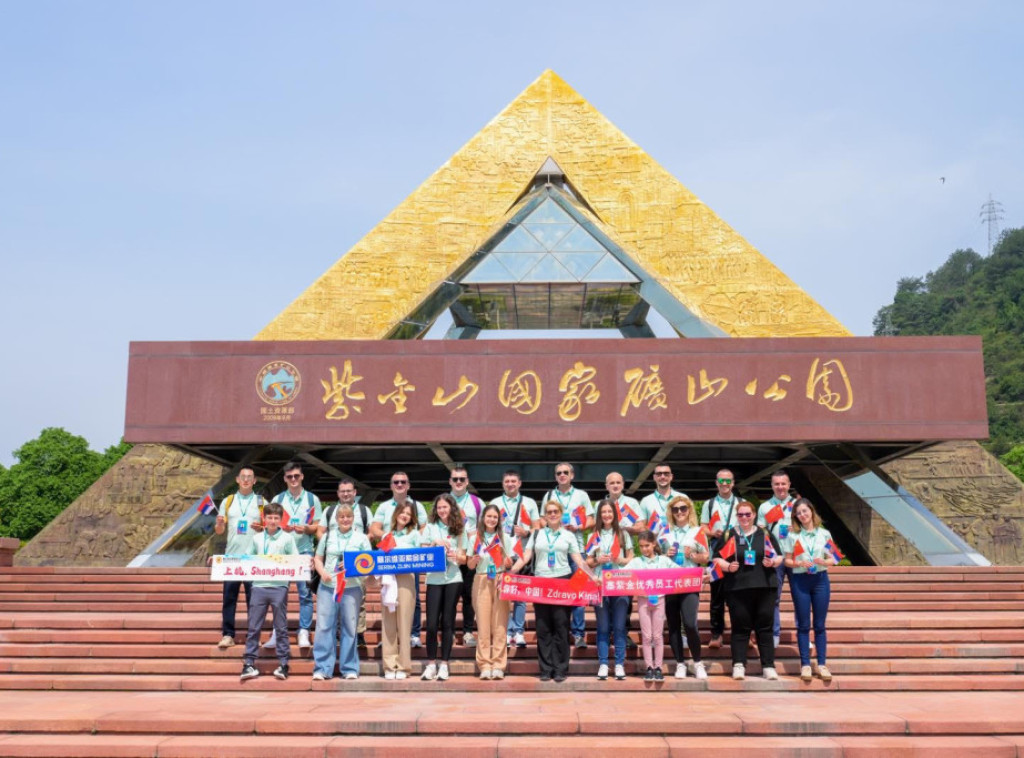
(757,576)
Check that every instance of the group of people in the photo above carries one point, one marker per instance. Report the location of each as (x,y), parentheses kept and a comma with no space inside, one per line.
(747,553)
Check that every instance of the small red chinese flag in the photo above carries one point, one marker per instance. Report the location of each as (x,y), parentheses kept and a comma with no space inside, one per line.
(729,549)
(388,543)
(518,549)
(775,514)
(713,521)
(798,549)
(702,540)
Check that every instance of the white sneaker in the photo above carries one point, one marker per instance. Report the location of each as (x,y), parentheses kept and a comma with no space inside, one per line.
(602,671)
(272,642)
(699,671)
(739,671)
(680,671)
(389,674)
(620,672)
(508,640)
(485,674)
(318,677)
(497,674)
(226,642)
(304,638)
(429,673)
(520,640)
(770,674)
(469,640)
(414,641)
(442,672)
(351,675)
(400,675)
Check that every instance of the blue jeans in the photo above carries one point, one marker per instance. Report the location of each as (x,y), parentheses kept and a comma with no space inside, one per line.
(810,593)
(305,604)
(612,612)
(336,624)
(517,619)
(578,624)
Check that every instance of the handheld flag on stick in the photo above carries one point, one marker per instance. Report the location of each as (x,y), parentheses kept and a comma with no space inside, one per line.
(496,552)
(206,505)
(387,543)
(616,546)
(769,551)
(309,516)
(701,540)
(592,543)
(775,514)
(798,549)
(579,516)
(657,525)
(578,581)
(715,521)
(833,548)
(728,549)
(627,516)
(339,586)
(524,517)
(715,573)
(518,549)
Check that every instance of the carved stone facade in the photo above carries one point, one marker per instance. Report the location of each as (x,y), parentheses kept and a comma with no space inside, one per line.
(973,493)
(124,511)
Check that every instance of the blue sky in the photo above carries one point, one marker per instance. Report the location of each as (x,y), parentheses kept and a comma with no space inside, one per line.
(182,171)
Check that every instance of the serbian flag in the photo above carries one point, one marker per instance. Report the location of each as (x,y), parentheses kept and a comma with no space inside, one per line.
(702,540)
(833,548)
(715,573)
(388,543)
(728,549)
(495,551)
(769,551)
(627,516)
(715,520)
(592,542)
(579,516)
(657,525)
(339,586)
(206,506)
(775,514)
(309,515)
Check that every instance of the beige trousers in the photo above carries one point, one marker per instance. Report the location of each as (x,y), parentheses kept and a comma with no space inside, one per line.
(491,623)
(397,626)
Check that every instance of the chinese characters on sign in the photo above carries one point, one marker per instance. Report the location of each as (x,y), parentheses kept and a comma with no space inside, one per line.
(828,386)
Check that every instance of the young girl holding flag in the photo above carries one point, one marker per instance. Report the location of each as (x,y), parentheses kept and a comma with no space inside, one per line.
(338,599)
(747,560)
(688,548)
(491,557)
(610,547)
(651,609)
(809,554)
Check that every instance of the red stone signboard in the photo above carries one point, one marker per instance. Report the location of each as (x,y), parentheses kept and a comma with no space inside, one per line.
(549,391)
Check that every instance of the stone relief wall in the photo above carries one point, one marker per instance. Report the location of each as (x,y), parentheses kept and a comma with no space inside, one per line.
(973,493)
(124,511)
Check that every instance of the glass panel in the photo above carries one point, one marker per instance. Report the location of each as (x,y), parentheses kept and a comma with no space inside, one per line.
(566,306)
(519,263)
(549,234)
(520,241)
(608,269)
(532,306)
(549,270)
(549,212)
(492,306)
(490,270)
(578,263)
(606,306)
(578,240)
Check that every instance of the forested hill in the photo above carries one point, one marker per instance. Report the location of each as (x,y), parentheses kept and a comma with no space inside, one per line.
(972,294)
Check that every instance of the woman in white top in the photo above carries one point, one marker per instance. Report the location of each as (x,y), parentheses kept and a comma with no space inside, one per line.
(490,558)
(610,547)
(445,529)
(336,616)
(553,547)
(396,623)
(808,555)
(687,547)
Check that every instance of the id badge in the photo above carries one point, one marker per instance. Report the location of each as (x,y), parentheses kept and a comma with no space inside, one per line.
(652,599)
(565,518)
(294,521)
(680,555)
(813,569)
(491,572)
(243,527)
(783,531)
(749,557)
(551,560)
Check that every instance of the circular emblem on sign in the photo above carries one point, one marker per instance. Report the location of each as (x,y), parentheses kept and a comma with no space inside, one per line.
(508,579)
(364,563)
(278,383)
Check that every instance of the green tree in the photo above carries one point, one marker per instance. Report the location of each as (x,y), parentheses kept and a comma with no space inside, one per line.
(1014,461)
(971,294)
(51,471)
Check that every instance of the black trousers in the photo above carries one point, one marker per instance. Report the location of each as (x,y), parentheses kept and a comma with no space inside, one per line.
(466,594)
(552,638)
(681,611)
(229,605)
(752,609)
(441,602)
(717,609)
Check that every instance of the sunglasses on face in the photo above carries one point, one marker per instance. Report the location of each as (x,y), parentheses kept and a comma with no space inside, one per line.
(725,481)
(680,508)
(458,479)
(744,515)
(552,513)
(562,473)
(399,481)
(292,476)
(663,473)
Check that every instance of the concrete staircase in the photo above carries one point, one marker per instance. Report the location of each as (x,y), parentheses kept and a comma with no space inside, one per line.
(124,661)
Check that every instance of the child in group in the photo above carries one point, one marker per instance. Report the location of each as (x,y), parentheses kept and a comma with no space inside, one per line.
(269,593)
(652,608)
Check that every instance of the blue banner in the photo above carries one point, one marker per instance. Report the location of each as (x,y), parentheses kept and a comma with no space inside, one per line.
(397,561)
